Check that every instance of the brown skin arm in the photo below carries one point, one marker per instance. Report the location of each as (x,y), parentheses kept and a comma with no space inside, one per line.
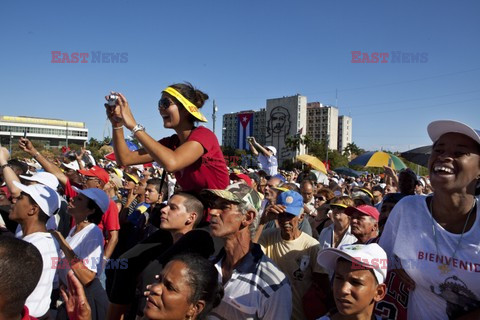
(8,174)
(27,146)
(171,160)
(111,243)
(81,271)
(75,299)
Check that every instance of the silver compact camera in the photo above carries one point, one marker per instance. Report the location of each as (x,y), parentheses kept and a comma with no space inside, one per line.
(112,100)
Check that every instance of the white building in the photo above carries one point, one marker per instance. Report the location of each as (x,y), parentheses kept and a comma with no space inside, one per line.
(344,132)
(323,123)
(285,118)
(50,132)
(232,127)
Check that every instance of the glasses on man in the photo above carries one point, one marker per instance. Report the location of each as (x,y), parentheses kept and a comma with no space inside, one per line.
(164,103)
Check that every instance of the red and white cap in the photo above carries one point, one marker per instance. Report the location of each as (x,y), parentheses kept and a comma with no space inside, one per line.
(363,256)
(365,210)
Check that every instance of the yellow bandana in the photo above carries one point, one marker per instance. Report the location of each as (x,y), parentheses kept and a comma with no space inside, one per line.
(186,103)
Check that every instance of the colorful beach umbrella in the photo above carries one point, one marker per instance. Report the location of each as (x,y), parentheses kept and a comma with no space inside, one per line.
(316,163)
(347,172)
(378,159)
(418,156)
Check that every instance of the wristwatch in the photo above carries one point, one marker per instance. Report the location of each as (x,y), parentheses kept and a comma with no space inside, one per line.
(138,127)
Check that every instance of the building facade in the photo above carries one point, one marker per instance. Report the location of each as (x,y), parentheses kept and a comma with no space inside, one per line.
(238,125)
(323,124)
(285,117)
(50,132)
(344,132)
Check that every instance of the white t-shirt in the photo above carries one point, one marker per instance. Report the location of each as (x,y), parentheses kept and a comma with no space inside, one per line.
(52,224)
(38,302)
(269,164)
(326,237)
(88,246)
(408,239)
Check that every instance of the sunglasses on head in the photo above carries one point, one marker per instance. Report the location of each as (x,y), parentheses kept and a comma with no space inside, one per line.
(164,103)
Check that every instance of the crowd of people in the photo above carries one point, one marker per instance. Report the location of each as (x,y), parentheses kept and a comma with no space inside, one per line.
(191,238)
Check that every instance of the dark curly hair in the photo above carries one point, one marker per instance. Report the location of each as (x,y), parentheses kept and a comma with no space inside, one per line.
(203,279)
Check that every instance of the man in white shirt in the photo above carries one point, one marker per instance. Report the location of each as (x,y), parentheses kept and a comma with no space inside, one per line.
(31,209)
(267,157)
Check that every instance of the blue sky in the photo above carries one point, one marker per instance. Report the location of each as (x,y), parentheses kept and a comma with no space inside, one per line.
(244,52)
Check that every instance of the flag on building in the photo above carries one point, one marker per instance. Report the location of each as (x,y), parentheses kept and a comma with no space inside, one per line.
(245,129)
(300,131)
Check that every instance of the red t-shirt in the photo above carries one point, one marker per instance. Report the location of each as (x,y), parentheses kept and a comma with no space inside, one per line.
(109,221)
(394,305)
(208,172)
(26,315)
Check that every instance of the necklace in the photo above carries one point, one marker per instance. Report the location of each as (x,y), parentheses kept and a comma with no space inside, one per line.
(445,267)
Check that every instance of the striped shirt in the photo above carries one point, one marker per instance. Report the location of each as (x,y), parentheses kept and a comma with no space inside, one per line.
(256,290)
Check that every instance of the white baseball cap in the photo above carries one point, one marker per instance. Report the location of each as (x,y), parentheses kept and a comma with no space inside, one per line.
(363,256)
(438,128)
(45,197)
(97,195)
(72,165)
(273,149)
(45,178)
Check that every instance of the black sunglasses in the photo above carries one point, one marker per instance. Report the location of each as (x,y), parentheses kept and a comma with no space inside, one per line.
(164,103)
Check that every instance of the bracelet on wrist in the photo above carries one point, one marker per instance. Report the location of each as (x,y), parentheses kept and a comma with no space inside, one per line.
(36,154)
(117,128)
(138,127)
(5,165)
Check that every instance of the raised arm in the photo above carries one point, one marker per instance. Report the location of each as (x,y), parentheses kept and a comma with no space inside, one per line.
(27,146)
(263,150)
(252,147)
(8,174)
(78,267)
(171,160)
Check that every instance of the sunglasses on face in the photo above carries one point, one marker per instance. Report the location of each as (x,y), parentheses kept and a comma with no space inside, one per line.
(164,103)
(320,198)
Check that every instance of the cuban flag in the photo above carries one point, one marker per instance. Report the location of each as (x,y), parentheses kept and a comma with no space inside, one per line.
(245,129)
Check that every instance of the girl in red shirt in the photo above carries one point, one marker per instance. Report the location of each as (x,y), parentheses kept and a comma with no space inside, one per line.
(192,153)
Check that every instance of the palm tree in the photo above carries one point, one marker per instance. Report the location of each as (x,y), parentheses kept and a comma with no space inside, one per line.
(352,149)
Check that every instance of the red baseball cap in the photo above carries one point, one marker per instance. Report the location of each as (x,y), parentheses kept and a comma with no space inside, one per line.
(244,177)
(365,210)
(96,171)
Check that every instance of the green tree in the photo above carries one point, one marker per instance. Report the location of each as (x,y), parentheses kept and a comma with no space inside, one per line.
(293,143)
(352,149)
